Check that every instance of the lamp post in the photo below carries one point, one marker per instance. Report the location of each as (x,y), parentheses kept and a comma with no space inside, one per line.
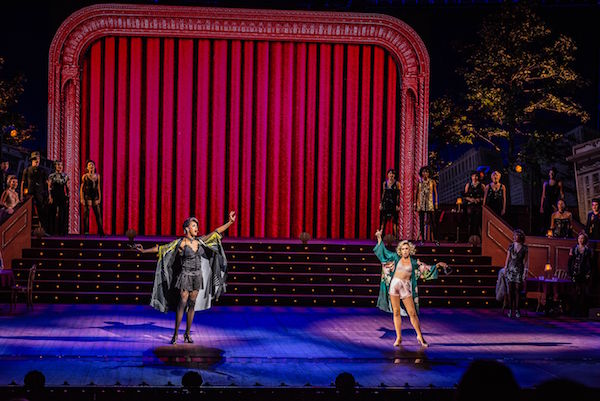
(548,271)
(459,202)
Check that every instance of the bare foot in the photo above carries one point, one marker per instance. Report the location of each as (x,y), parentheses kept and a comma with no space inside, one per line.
(398,341)
(422,341)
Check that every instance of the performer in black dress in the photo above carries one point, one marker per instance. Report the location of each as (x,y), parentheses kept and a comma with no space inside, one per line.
(58,187)
(390,202)
(474,198)
(91,196)
(495,195)
(581,259)
(190,273)
(561,221)
(552,191)
(516,270)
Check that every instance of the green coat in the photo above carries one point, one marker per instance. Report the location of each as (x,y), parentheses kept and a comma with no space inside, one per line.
(386,256)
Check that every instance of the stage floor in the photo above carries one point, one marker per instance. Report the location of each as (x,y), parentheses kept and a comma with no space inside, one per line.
(242,346)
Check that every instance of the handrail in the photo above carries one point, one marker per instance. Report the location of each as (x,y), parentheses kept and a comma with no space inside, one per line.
(15,233)
(497,235)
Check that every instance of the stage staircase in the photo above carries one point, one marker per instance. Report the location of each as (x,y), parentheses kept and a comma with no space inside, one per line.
(261,272)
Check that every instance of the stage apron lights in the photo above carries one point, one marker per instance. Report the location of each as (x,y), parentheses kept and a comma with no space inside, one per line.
(295,135)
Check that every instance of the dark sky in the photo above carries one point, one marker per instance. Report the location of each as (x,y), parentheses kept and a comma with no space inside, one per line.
(29,26)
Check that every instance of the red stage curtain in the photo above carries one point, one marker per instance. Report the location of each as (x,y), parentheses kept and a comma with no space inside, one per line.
(293,136)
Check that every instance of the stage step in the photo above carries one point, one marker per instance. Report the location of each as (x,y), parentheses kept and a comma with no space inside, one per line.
(106,270)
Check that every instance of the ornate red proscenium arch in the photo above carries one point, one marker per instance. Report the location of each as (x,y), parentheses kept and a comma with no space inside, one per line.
(84,27)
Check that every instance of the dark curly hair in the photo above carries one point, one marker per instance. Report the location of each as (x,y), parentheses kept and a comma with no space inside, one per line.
(520,234)
(189,221)
(425,168)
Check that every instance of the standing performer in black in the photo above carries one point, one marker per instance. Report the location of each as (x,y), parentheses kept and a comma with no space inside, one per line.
(474,198)
(552,191)
(495,195)
(91,196)
(58,187)
(34,184)
(390,202)
(190,273)
(581,259)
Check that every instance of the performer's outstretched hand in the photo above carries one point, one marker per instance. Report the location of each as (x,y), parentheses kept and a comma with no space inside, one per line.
(138,247)
(232,216)
(378,235)
(446,269)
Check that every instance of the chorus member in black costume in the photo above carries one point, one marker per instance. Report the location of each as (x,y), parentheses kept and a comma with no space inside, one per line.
(516,269)
(4,165)
(34,184)
(561,222)
(473,199)
(91,196)
(190,273)
(9,199)
(58,187)
(398,286)
(495,195)
(389,207)
(426,202)
(552,191)
(580,270)
(592,224)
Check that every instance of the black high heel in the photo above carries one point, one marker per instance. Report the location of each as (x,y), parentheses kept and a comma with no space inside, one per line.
(187,338)
(174,339)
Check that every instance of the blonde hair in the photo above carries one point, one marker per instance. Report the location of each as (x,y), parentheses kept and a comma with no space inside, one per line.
(496,172)
(412,250)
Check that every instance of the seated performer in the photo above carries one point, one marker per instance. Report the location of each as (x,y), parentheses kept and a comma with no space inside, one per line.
(399,283)
(190,273)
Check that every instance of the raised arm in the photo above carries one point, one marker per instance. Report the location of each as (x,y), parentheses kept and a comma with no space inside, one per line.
(378,236)
(225,226)
(383,254)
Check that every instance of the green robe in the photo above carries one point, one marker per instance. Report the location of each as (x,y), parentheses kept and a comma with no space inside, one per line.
(386,256)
